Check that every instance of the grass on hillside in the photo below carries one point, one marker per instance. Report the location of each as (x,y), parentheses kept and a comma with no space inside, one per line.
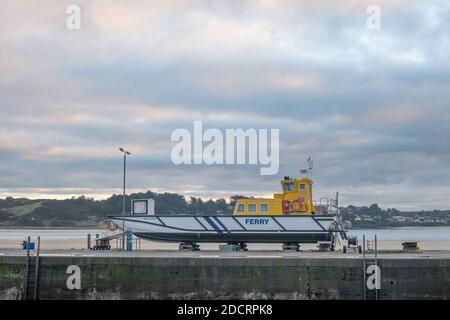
(24,209)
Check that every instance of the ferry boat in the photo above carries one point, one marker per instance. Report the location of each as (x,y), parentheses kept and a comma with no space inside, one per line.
(290,217)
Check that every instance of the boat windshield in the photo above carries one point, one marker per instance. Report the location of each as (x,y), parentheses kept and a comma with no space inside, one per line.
(288,186)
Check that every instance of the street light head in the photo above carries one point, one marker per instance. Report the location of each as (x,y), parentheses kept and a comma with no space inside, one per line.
(125,151)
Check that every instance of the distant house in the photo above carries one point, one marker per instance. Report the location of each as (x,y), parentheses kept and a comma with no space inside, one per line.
(347,224)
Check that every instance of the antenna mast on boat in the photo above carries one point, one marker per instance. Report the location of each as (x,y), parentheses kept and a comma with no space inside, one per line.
(308,172)
(310,167)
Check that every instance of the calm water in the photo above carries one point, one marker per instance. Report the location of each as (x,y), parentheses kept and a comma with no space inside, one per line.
(406,233)
(62,234)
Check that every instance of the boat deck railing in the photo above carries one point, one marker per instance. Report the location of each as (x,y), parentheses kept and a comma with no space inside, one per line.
(326,206)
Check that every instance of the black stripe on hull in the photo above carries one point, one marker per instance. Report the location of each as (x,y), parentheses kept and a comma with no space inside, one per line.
(276,237)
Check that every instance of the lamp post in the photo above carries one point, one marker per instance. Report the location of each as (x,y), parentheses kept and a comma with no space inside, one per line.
(125,154)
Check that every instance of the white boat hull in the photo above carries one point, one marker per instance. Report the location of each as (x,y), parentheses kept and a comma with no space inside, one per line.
(226,228)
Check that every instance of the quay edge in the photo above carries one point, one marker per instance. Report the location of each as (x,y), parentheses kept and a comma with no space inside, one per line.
(216,277)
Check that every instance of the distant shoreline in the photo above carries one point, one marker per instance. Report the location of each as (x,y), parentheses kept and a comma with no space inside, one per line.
(398,226)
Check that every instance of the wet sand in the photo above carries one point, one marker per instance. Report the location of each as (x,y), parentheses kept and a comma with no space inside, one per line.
(77,239)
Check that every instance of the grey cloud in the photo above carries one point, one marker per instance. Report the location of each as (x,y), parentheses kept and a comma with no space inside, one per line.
(370,106)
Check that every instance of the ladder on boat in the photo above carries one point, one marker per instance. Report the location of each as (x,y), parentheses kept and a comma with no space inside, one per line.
(31,279)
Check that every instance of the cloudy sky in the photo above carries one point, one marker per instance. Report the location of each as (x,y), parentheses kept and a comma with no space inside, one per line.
(371,106)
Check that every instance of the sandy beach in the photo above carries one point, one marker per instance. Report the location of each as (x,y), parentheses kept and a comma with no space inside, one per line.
(427,245)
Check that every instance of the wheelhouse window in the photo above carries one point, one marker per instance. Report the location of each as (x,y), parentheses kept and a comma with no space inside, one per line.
(302,186)
(241,208)
(288,186)
(263,207)
(252,207)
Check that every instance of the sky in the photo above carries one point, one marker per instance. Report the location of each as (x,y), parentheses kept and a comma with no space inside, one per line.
(370,106)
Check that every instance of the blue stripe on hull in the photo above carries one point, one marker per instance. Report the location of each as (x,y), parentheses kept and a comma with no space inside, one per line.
(221,224)
(208,219)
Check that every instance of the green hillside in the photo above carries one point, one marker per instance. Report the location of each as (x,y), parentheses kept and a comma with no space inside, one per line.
(85,212)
